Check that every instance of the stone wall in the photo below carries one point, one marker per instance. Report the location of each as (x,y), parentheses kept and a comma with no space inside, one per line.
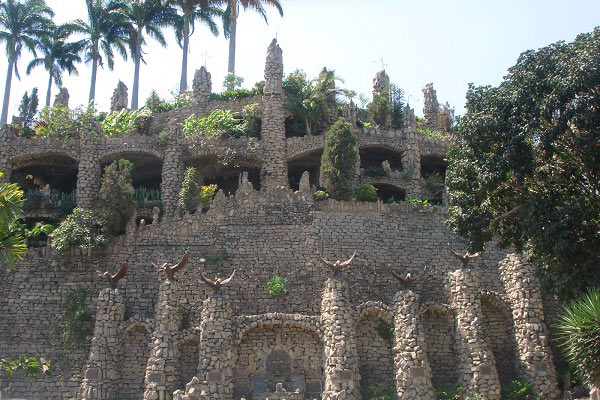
(440,337)
(375,355)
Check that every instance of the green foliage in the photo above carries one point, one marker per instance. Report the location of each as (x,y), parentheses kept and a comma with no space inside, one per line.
(126,122)
(156,104)
(75,322)
(433,134)
(59,122)
(12,244)
(375,172)
(450,393)
(578,329)
(320,195)
(252,120)
(78,230)
(525,164)
(365,192)
(235,94)
(31,366)
(144,195)
(380,110)
(386,331)
(27,110)
(117,195)
(277,286)
(188,195)
(518,390)
(397,102)
(339,156)
(36,236)
(232,82)
(446,119)
(374,392)
(206,195)
(163,138)
(219,124)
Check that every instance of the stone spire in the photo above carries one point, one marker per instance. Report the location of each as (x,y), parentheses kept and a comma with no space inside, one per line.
(431,107)
(381,84)
(202,86)
(274,70)
(119,98)
(62,97)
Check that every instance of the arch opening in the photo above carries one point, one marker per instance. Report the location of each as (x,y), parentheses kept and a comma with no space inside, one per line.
(433,170)
(310,162)
(226,174)
(389,193)
(440,337)
(371,159)
(375,353)
(134,357)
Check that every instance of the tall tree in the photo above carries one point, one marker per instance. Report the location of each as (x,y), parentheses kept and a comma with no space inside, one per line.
(21,23)
(525,165)
(58,55)
(148,16)
(105,30)
(232,13)
(192,11)
(337,161)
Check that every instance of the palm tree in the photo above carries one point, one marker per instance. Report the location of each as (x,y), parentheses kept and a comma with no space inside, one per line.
(149,16)
(12,244)
(105,29)
(21,24)
(232,12)
(192,11)
(59,56)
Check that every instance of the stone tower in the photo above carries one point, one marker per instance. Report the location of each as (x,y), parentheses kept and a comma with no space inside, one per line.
(431,107)
(119,98)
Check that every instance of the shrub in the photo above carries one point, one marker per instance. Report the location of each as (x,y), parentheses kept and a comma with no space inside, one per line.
(220,123)
(74,324)
(79,229)
(339,156)
(59,122)
(380,110)
(579,336)
(163,138)
(518,390)
(252,120)
(380,393)
(232,81)
(365,192)
(206,195)
(188,195)
(320,195)
(235,94)
(277,286)
(450,393)
(156,104)
(127,122)
(117,195)
(145,195)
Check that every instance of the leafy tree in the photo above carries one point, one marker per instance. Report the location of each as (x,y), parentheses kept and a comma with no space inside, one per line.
(397,101)
(188,195)
(117,195)
(192,11)
(12,244)
(380,110)
(232,82)
(58,55)
(339,156)
(579,337)
(231,16)
(148,16)
(525,165)
(79,229)
(446,120)
(27,111)
(21,23)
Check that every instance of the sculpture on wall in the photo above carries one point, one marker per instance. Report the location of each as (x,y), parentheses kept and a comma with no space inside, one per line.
(217,284)
(171,269)
(338,265)
(464,258)
(407,279)
(114,279)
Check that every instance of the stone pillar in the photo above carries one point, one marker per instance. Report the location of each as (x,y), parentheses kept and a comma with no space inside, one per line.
(338,320)
(411,159)
(531,333)
(381,87)
(214,378)
(202,88)
(101,375)
(120,98)
(162,370)
(89,174)
(477,366)
(413,374)
(62,98)
(274,170)
(431,107)
(5,166)
(172,177)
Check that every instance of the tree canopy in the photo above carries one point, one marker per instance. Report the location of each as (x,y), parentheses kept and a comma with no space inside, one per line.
(525,164)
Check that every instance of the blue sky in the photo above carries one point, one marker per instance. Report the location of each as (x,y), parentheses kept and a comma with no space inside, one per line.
(449,43)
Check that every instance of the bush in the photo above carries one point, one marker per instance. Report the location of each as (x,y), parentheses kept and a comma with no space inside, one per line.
(188,195)
(252,120)
(380,393)
(320,195)
(277,286)
(59,122)
(79,229)
(235,94)
(518,390)
(127,122)
(365,192)
(450,393)
(206,195)
(579,336)
(339,156)
(163,138)
(220,123)
(75,323)
(156,104)
(117,195)
(380,110)
(232,81)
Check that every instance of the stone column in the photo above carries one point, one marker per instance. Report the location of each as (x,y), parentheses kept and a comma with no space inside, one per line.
(431,107)
(162,370)
(381,87)
(202,88)
(274,170)
(531,333)
(477,366)
(413,374)
(338,320)
(172,177)
(89,175)
(101,376)
(411,159)
(5,166)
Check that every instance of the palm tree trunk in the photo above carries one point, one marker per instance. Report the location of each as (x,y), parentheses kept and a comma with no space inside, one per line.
(93,84)
(11,65)
(232,39)
(49,92)
(136,74)
(184,63)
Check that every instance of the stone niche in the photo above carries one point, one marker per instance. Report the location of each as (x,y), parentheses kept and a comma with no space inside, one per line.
(278,362)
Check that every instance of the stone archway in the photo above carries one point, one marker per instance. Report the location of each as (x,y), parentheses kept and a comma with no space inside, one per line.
(440,333)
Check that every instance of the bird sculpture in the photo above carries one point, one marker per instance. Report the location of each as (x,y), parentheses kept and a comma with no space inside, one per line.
(171,269)
(408,278)
(218,283)
(464,258)
(114,279)
(337,266)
